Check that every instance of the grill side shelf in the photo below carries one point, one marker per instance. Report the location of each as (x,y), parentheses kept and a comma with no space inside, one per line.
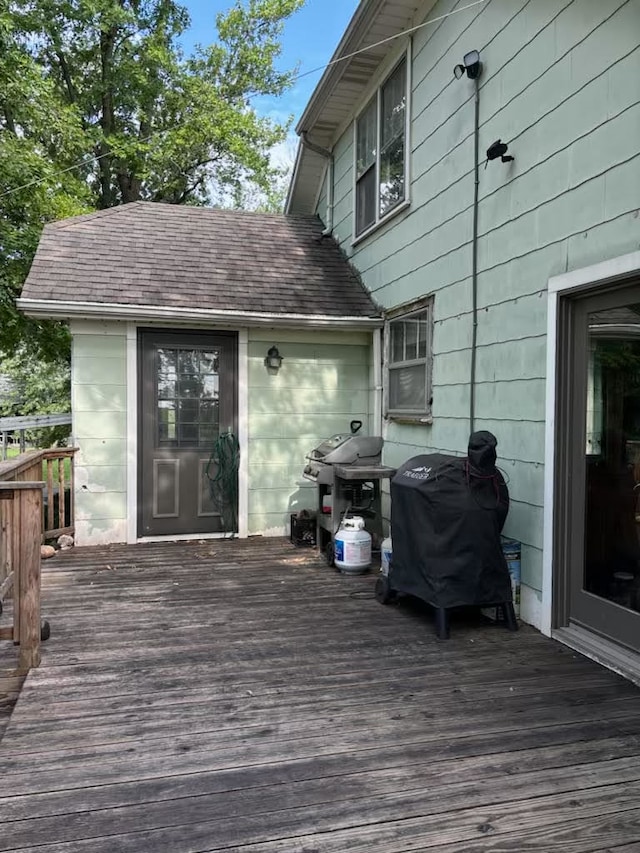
(364,472)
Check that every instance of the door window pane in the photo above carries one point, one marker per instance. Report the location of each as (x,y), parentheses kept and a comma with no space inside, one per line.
(166,421)
(188,435)
(166,388)
(210,386)
(612,529)
(167,362)
(208,363)
(188,362)
(187,384)
(190,386)
(189,410)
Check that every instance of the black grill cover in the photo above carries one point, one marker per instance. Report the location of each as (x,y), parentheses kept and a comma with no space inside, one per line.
(447,514)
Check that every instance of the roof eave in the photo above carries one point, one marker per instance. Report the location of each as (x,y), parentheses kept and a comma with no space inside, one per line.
(351,41)
(364,47)
(306,181)
(290,190)
(57,310)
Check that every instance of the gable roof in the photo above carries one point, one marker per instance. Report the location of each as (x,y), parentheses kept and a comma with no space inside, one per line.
(176,259)
(342,87)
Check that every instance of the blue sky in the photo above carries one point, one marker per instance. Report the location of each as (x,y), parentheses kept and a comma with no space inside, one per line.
(310,37)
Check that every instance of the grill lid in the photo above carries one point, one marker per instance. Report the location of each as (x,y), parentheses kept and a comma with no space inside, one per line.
(345,449)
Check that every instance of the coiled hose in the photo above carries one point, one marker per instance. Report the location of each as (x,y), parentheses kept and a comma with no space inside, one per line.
(222,473)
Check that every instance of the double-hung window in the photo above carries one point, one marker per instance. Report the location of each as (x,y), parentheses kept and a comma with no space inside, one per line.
(381,144)
(409,357)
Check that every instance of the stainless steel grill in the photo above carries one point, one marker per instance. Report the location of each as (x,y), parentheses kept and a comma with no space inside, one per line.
(344,449)
(347,470)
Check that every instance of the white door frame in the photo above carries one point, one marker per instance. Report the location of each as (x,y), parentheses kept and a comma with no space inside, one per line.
(585,278)
(243,433)
(132,433)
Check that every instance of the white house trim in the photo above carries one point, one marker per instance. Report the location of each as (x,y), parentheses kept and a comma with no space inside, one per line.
(243,433)
(584,278)
(132,442)
(549,464)
(56,310)
(597,274)
(132,433)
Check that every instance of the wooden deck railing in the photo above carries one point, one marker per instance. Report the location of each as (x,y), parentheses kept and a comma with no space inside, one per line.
(20,536)
(13,427)
(24,525)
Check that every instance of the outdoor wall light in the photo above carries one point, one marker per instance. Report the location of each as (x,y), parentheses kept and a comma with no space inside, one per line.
(499,149)
(273,360)
(471,66)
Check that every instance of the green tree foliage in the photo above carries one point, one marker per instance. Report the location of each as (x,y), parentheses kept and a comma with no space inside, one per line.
(36,387)
(104,84)
(39,137)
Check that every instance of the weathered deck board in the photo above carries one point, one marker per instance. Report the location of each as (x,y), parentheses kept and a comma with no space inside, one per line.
(241,696)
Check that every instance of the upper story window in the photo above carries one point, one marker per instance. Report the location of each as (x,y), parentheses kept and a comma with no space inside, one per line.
(381,151)
(409,334)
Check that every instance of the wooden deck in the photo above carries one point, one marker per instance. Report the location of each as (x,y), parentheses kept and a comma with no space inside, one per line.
(241,696)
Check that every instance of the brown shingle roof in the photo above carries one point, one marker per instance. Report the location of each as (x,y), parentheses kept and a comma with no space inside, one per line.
(185,257)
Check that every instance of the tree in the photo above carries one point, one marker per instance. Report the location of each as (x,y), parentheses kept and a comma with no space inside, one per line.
(39,138)
(162,127)
(245,196)
(98,106)
(37,387)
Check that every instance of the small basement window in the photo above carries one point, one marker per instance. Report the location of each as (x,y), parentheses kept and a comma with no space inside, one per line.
(381,131)
(409,337)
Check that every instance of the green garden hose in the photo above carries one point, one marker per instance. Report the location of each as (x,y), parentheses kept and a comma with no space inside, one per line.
(222,473)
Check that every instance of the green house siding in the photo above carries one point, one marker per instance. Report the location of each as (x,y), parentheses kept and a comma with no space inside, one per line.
(343,190)
(560,85)
(323,384)
(98,372)
(322,200)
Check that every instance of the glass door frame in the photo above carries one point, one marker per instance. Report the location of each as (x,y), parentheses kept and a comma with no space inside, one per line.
(594,613)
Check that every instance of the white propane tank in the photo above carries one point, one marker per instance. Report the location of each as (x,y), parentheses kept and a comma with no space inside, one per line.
(386,553)
(352,546)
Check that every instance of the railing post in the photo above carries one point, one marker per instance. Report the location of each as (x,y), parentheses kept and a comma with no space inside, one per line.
(22,529)
(62,509)
(27,600)
(6,540)
(51,502)
(15,532)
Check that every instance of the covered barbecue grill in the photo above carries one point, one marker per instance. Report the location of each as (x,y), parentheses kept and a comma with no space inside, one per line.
(447,514)
(347,469)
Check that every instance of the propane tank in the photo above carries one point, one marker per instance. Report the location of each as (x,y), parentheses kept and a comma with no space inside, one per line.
(352,546)
(386,553)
